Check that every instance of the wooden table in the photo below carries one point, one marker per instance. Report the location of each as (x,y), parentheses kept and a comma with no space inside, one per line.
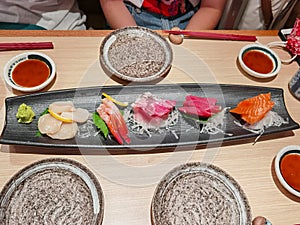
(128,195)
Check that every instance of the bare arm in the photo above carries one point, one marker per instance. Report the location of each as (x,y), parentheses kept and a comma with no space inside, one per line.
(116,14)
(208,16)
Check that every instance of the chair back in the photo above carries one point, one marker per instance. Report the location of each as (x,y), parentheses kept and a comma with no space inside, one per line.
(232,14)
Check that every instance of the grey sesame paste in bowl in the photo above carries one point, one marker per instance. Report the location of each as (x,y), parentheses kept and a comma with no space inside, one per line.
(54,192)
(199,194)
(136,56)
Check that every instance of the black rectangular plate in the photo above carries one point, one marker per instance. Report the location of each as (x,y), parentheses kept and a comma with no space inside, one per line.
(89,98)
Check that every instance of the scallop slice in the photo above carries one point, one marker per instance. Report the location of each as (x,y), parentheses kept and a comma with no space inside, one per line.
(62,106)
(47,124)
(79,115)
(66,131)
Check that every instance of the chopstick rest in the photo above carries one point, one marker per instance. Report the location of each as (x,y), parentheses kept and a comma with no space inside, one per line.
(25,46)
(216,36)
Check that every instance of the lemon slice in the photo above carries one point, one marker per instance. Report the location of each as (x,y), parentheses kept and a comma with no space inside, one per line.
(124,104)
(58,117)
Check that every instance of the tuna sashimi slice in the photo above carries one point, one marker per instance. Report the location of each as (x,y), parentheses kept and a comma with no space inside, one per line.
(151,109)
(195,111)
(209,108)
(201,100)
(200,106)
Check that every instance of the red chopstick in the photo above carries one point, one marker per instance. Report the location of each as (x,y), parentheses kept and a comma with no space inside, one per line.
(216,36)
(25,46)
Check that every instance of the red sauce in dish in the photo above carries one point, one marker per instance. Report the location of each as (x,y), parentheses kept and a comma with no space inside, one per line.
(30,73)
(290,170)
(258,61)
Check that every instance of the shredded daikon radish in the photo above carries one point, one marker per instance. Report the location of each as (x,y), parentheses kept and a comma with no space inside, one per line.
(87,129)
(143,127)
(214,124)
(271,119)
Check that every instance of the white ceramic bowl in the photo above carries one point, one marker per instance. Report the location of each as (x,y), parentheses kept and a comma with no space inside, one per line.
(266,51)
(135,54)
(13,62)
(292,149)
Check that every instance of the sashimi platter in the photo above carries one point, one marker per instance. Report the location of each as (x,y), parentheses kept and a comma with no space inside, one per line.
(145,116)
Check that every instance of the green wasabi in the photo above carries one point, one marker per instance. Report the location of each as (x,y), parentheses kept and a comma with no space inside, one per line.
(25,114)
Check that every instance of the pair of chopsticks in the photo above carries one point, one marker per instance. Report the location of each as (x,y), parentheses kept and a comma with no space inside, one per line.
(216,36)
(25,46)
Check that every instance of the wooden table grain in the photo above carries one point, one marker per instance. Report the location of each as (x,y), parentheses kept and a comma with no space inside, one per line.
(129,180)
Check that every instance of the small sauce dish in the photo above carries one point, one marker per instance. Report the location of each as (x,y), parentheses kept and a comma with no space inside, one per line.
(29,72)
(259,61)
(287,168)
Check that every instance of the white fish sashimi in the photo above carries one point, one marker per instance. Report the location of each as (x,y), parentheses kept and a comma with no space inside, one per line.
(48,124)
(58,129)
(79,115)
(66,131)
(62,106)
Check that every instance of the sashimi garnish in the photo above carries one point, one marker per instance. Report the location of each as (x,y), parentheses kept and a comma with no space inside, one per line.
(88,129)
(140,127)
(271,119)
(212,125)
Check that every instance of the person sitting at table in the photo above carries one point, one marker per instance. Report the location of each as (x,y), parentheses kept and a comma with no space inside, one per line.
(163,14)
(266,14)
(41,14)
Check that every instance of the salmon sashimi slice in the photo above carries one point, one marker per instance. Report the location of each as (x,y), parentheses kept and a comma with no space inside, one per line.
(254,109)
(114,120)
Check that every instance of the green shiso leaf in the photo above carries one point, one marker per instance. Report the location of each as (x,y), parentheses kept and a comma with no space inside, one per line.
(38,134)
(100,124)
(195,118)
(44,112)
